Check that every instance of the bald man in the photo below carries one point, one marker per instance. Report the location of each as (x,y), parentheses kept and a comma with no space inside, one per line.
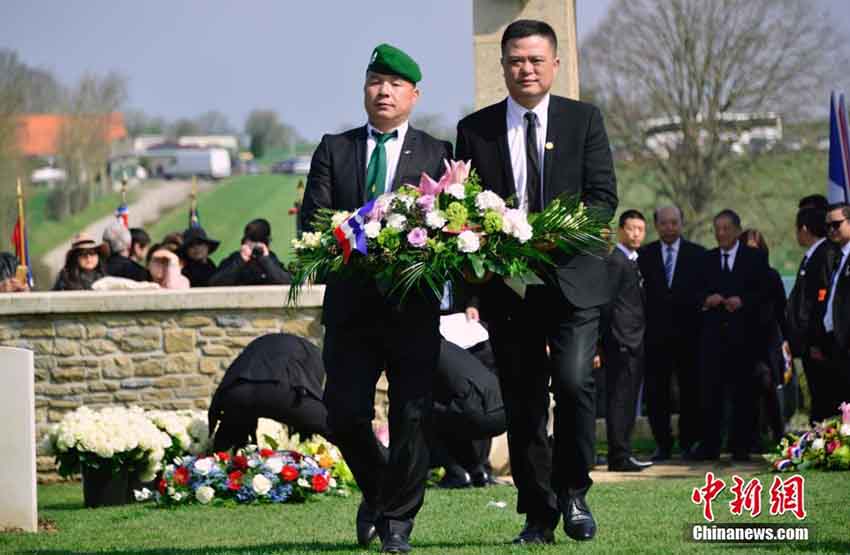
(670,267)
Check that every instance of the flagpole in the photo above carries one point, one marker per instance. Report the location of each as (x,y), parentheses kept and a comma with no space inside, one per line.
(24,263)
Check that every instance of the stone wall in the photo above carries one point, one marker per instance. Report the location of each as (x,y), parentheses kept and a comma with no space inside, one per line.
(155,349)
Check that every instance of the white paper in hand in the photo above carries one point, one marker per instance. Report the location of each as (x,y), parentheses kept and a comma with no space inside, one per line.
(464,333)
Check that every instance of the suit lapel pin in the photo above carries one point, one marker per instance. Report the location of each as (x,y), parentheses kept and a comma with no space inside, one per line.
(550,146)
(407,152)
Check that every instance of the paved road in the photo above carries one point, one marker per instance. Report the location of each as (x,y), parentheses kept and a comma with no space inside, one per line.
(156,197)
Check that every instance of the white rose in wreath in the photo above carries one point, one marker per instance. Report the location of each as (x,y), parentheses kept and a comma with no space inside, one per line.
(274,464)
(204,494)
(817,444)
(261,485)
(396,221)
(204,466)
(372,229)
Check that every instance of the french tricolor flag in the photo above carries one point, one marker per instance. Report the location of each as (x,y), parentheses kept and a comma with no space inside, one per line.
(350,234)
(838,183)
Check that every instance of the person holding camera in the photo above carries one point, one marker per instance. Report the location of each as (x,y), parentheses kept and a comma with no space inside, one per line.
(253,263)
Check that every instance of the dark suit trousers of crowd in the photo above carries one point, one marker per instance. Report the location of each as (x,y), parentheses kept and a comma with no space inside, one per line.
(408,346)
(677,356)
(727,380)
(546,474)
(623,374)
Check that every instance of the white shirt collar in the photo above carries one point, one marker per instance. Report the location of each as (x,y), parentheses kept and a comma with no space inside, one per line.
(814,247)
(733,251)
(675,244)
(402,131)
(516,111)
(630,254)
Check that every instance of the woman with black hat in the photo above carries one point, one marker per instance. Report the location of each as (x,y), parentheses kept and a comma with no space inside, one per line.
(195,252)
(83,265)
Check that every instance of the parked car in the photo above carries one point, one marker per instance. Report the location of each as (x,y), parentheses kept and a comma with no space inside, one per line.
(299,164)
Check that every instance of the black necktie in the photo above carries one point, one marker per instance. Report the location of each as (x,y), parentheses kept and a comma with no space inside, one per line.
(726,262)
(532,165)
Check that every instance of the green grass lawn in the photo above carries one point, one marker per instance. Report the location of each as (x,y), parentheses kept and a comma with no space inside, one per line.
(225,210)
(649,516)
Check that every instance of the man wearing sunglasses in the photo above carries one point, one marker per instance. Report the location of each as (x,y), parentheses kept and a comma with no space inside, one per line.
(835,343)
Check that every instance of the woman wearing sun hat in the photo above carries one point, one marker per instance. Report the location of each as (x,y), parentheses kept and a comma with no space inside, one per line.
(83,265)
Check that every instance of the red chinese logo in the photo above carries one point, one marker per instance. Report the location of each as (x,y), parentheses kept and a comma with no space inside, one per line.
(706,494)
(787,496)
(747,497)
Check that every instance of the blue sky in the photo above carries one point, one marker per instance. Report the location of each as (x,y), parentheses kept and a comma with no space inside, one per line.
(303,59)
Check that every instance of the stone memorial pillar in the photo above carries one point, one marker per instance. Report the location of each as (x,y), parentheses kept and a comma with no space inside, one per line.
(18,507)
(490,17)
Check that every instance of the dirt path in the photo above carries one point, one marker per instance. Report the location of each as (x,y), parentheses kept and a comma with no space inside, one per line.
(156,197)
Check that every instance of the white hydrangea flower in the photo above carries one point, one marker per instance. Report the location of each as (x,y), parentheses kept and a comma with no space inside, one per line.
(435,219)
(456,190)
(468,241)
(204,466)
(274,464)
(204,494)
(396,221)
(515,223)
(488,200)
(372,229)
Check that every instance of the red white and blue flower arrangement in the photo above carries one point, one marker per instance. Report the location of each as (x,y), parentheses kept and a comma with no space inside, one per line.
(252,475)
(826,446)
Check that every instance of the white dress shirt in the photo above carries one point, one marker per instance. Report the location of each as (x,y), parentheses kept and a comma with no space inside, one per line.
(515,119)
(732,253)
(393,148)
(811,251)
(828,324)
(675,254)
(630,254)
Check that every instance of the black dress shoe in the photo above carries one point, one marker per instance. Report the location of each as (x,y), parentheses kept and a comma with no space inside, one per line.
(601,460)
(483,479)
(630,464)
(661,455)
(702,454)
(534,534)
(578,520)
(366,530)
(396,543)
(455,481)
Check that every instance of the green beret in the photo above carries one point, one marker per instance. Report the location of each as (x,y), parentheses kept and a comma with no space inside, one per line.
(390,60)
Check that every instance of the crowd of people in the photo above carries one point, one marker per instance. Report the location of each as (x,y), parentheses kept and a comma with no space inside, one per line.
(719,322)
(127,259)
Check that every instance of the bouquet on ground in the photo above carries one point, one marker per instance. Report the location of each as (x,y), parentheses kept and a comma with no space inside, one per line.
(252,475)
(419,237)
(113,437)
(188,430)
(826,446)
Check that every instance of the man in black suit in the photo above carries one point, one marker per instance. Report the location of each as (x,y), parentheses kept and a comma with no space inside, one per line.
(807,300)
(623,324)
(535,146)
(733,278)
(671,270)
(833,343)
(367,332)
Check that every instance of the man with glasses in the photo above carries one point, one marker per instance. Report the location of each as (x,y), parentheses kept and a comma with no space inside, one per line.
(834,348)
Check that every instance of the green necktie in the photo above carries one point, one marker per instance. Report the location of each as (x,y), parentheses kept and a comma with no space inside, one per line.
(376,171)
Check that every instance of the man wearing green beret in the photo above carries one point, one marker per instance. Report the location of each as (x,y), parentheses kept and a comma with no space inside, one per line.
(366,331)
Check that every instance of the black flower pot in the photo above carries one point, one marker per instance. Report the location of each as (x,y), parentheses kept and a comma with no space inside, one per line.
(104,488)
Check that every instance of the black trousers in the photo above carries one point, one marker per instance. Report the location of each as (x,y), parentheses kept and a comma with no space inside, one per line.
(547,474)
(623,375)
(406,346)
(818,379)
(677,357)
(836,377)
(246,401)
(727,371)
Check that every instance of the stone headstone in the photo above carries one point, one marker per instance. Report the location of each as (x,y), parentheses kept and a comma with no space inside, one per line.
(18,507)
(490,17)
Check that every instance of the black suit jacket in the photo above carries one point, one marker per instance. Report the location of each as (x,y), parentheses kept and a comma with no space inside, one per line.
(579,163)
(337,181)
(841,308)
(808,297)
(747,280)
(672,313)
(623,319)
